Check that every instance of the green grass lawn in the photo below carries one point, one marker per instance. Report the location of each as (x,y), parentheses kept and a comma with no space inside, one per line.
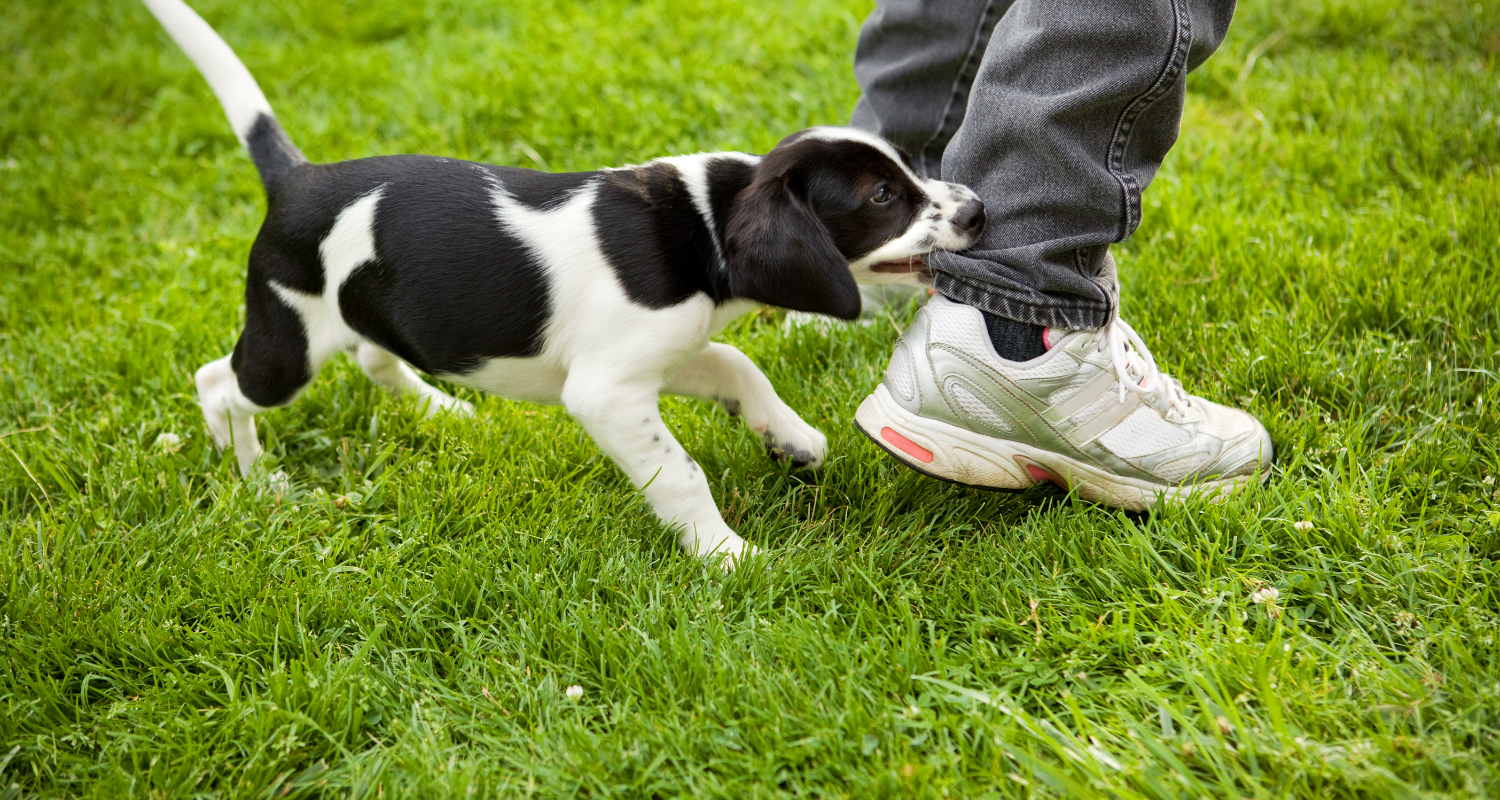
(1321,248)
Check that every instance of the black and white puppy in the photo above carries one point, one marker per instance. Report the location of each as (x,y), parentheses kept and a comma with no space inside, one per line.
(596,290)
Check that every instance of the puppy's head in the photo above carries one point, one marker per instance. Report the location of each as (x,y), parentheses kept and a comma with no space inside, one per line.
(830,207)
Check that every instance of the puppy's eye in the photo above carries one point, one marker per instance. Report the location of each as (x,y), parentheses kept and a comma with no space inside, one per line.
(882,195)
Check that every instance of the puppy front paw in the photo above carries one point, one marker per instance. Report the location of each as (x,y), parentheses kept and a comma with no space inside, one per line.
(801,444)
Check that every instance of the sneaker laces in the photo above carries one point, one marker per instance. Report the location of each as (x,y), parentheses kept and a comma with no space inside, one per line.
(1118,339)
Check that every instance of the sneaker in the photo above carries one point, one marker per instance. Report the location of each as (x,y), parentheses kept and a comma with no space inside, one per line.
(1092,414)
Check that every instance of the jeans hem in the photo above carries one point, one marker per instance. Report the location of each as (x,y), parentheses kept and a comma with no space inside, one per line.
(1036,309)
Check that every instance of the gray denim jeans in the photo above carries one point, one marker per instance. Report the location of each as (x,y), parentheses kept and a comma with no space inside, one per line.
(1057,112)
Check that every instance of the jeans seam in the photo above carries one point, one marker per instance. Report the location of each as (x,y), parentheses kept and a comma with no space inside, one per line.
(975,47)
(1082,261)
(1120,140)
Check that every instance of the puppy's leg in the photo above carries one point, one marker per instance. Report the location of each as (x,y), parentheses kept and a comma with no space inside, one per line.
(272,363)
(393,374)
(623,418)
(229,414)
(722,373)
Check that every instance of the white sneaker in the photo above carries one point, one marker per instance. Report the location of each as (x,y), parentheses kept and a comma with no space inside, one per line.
(1093,414)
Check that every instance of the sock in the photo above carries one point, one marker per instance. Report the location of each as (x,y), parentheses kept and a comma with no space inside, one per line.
(1014,341)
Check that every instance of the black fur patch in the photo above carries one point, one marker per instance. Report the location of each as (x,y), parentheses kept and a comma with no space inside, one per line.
(840,184)
(450,287)
(654,237)
(273,152)
(727,177)
(270,358)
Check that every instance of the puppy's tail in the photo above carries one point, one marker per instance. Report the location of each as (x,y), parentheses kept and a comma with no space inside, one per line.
(249,114)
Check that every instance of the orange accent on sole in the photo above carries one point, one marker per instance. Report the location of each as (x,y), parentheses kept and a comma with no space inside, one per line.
(907,446)
(1039,474)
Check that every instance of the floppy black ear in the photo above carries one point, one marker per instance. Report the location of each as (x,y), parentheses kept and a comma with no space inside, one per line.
(779,253)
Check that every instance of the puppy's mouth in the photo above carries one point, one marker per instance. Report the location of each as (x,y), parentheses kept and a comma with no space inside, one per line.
(911,264)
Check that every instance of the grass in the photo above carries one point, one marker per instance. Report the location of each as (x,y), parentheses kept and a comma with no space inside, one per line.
(1319,248)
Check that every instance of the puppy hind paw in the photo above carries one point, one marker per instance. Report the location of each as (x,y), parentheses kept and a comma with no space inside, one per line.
(213,400)
(274,486)
(722,547)
(218,433)
(279,483)
(729,562)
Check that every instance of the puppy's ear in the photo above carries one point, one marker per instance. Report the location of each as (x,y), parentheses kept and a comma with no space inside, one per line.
(779,253)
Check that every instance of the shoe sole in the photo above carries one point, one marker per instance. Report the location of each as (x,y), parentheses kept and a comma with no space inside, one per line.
(947,452)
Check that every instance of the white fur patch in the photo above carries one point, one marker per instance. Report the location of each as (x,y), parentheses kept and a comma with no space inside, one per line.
(348,246)
(694,172)
(351,242)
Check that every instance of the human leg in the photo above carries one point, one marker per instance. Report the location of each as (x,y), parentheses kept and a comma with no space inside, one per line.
(915,62)
(1068,116)
(1057,113)
(1073,108)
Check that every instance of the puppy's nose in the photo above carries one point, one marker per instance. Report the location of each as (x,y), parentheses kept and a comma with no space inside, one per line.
(970,218)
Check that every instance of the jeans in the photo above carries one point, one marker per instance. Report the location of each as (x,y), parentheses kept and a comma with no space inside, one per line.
(1057,112)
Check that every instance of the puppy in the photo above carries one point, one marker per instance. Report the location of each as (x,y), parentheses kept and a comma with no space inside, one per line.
(596,290)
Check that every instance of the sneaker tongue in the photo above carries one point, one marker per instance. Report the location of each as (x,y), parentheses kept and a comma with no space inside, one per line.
(1052,337)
